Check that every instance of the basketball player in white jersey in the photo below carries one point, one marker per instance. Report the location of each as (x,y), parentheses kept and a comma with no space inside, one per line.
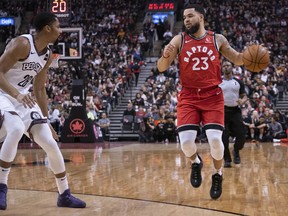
(26,61)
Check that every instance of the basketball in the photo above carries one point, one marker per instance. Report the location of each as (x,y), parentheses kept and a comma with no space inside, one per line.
(256,58)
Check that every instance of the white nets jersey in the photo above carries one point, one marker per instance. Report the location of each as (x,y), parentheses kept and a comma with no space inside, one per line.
(22,73)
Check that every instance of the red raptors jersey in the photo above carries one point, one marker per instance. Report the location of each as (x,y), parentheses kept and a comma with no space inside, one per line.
(199,61)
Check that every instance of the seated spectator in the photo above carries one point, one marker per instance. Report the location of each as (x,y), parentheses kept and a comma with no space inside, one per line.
(61,122)
(151,77)
(261,130)
(130,110)
(107,100)
(141,112)
(161,78)
(251,122)
(138,101)
(97,102)
(146,131)
(246,121)
(159,130)
(275,129)
(54,116)
(104,124)
(143,95)
(169,129)
(281,119)
(267,115)
(141,38)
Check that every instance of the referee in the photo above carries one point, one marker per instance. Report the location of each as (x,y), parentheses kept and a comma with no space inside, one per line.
(234,98)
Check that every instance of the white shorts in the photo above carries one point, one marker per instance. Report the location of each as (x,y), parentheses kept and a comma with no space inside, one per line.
(28,115)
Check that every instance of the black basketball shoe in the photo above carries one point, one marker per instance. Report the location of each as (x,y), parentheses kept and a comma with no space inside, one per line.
(195,177)
(216,188)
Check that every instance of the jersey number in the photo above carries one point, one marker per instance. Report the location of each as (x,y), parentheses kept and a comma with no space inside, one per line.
(27,79)
(197,61)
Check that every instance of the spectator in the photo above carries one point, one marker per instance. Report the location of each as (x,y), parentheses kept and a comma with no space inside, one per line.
(141,112)
(261,130)
(159,131)
(104,124)
(136,71)
(169,129)
(146,133)
(54,117)
(130,110)
(276,130)
(138,101)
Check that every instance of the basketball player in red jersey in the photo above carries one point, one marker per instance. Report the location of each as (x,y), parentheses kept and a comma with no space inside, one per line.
(201,99)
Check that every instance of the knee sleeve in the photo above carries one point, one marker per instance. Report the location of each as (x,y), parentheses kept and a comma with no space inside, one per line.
(187,141)
(216,145)
(43,137)
(12,129)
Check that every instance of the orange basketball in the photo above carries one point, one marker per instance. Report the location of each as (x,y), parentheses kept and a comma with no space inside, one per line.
(256,58)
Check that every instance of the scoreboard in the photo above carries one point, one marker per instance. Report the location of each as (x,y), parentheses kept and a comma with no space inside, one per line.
(62,9)
(166,6)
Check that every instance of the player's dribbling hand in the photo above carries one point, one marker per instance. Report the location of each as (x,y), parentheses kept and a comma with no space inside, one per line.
(26,100)
(54,134)
(168,49)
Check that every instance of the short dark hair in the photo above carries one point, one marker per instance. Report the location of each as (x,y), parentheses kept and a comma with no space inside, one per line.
(42,19)
(197,8)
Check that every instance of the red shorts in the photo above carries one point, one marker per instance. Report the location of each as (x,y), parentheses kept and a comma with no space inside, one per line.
(196,106)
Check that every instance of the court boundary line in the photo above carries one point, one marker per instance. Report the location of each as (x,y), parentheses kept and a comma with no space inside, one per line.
(136,199)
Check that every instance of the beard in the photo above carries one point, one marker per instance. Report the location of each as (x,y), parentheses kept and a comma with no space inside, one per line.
(227,71)
(193,29)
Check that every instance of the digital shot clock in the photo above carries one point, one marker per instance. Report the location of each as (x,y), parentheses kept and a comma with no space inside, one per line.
(62,9)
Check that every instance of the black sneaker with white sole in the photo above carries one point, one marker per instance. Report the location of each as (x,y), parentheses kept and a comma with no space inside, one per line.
(216,187)
(196,177)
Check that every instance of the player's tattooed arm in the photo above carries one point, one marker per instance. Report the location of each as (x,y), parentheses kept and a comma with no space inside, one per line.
(227,51)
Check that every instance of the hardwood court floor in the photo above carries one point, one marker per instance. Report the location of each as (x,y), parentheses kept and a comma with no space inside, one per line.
(132,179)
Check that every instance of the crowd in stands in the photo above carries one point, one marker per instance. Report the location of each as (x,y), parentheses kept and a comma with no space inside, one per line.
(13,9)
(112,50)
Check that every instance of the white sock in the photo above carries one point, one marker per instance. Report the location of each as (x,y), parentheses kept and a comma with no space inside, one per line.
(62,184)
(4,172)
(196,160)
(219,171)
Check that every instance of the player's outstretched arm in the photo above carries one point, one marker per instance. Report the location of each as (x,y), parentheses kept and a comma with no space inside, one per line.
(227,51)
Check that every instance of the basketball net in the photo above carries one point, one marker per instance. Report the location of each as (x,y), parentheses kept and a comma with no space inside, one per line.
(55,60)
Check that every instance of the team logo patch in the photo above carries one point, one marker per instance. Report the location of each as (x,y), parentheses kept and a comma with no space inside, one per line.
(35,115)
(77,126)
(208,40)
